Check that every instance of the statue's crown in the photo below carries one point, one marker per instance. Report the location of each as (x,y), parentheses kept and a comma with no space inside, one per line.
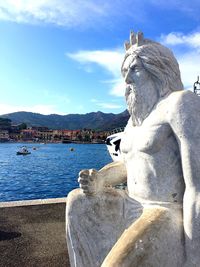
(135,39)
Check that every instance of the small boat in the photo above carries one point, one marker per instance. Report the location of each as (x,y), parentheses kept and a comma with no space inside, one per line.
(113,145)
(23,151)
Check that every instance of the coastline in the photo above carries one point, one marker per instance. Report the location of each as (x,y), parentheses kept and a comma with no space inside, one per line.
(51,142)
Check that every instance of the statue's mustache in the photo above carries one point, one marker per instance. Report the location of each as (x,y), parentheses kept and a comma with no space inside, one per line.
(130,89)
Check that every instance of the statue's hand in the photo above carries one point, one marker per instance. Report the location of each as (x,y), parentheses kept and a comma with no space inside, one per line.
(89,182)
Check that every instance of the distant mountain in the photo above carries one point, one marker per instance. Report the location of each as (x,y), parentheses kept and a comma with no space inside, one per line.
(94,120)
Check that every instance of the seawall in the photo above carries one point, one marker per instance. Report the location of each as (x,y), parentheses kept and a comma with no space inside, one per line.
(32,233)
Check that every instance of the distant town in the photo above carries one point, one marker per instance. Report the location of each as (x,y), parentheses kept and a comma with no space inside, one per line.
(24,133)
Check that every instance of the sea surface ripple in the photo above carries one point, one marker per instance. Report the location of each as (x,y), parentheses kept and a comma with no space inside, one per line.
(50,171)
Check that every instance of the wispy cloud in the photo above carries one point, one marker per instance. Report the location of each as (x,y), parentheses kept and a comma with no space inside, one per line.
(109,105)
(118,88)
(107,59)
(187,51)
(177,38)
(186,48)
(43,109)
(105,105)
(190,68)
(110,60)
(70,13)
(90,13)
(59,12)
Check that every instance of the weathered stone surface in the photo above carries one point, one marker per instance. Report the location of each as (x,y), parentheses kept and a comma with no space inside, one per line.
(146,242)
(161,165)
(94,223)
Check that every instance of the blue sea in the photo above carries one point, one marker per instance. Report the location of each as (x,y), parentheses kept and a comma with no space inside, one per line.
(50,171)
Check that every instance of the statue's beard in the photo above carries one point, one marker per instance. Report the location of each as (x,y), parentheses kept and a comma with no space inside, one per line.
(140,103)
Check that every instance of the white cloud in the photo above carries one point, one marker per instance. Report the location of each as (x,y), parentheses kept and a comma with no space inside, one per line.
(187,51)
(90,13)
(59,12)
(109,105)
(105,105)
(118,88)
(172,39)
(107,59)
(110,60)
(190,68)
(192,40)
(43,109)
(70,13)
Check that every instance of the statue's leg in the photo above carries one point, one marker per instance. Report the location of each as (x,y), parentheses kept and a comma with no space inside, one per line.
(155,239)
(94,224)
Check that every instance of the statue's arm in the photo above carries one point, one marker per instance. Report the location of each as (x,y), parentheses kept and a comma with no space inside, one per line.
(185,123)
(113,173)
(92,181)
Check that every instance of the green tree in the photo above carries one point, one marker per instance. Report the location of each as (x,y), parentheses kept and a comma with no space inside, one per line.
(23,126)
(87,138)
(5,124)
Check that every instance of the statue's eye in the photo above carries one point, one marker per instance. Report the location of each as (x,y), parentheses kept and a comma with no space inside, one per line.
(134,68)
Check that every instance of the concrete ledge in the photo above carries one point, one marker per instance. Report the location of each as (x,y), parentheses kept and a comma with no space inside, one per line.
(32,202)
(32,233)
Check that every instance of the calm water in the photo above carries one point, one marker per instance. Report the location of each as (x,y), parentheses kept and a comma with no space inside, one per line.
(50,171)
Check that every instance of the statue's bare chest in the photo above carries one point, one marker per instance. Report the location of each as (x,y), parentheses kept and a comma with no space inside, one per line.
(148,138)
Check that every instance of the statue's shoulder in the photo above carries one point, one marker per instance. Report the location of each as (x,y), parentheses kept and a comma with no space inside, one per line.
(182,96)
(182,103)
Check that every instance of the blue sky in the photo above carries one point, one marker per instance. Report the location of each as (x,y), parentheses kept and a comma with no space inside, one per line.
(64,56)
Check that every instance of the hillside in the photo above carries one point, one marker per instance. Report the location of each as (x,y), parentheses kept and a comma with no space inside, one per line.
(94,120)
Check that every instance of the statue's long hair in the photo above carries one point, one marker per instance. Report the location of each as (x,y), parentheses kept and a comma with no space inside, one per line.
(160,62)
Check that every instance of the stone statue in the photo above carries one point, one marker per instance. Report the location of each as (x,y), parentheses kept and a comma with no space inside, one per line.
(156,221)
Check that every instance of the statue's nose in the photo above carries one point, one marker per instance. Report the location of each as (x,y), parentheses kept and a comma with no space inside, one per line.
(128,78)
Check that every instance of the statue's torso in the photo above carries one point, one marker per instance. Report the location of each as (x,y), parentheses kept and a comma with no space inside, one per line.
(152,160)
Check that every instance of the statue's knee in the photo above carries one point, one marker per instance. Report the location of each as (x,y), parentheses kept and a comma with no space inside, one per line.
(74,194)
(75,199)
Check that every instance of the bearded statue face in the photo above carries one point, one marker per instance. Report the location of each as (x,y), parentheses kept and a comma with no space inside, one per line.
(141,90)
(151,72)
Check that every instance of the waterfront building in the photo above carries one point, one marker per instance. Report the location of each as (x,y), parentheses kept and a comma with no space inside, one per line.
(28,134)
(4,135)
